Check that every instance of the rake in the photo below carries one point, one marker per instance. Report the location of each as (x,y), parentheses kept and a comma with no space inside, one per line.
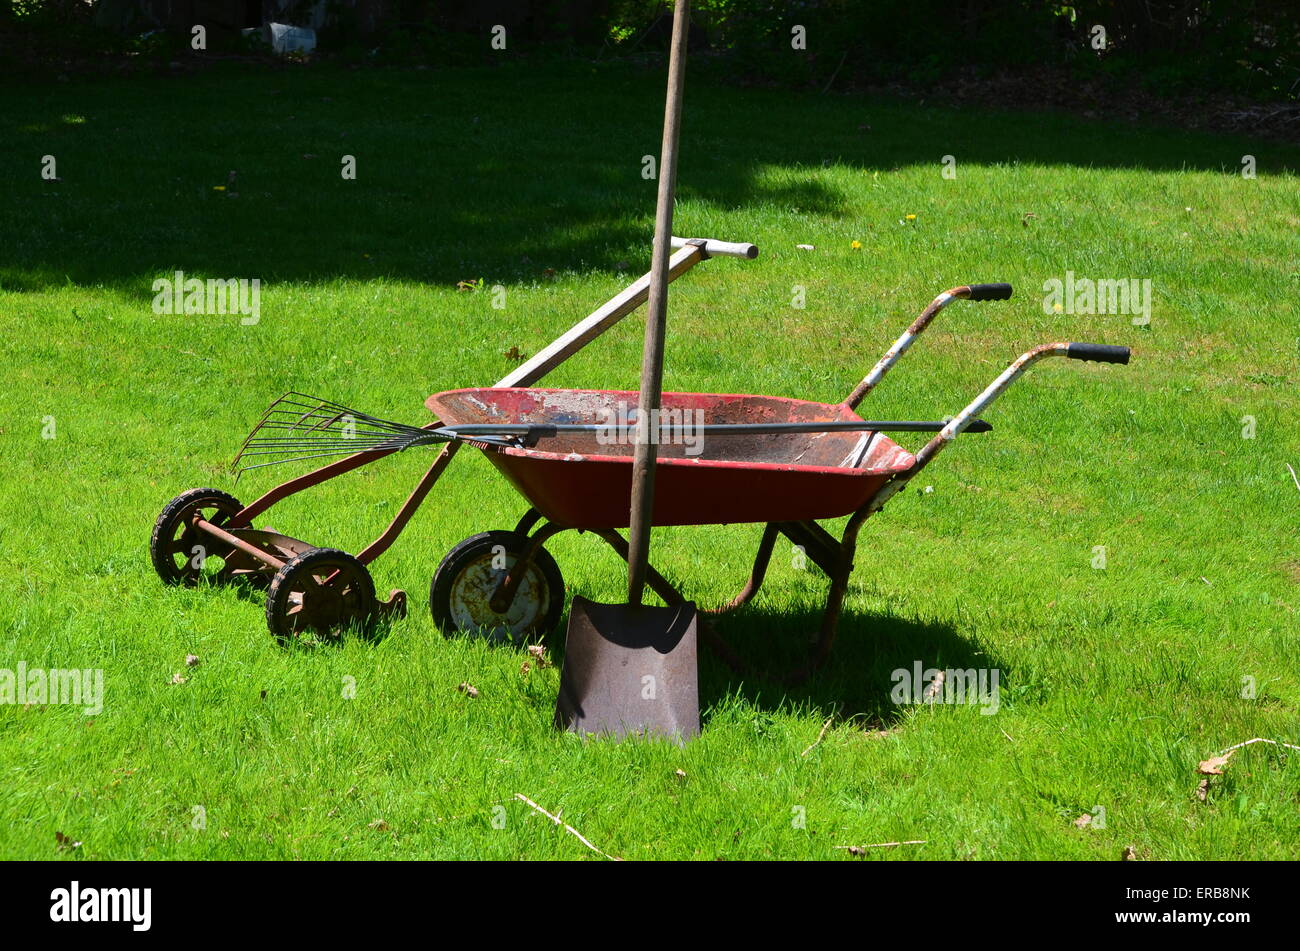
(314,427)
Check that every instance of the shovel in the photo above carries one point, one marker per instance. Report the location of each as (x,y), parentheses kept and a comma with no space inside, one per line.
(631,668)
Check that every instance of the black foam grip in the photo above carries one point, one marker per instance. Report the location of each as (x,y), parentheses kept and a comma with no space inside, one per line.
(990,291)
(1101,352)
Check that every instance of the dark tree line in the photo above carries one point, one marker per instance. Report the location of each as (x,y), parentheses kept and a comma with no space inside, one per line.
(1239,46)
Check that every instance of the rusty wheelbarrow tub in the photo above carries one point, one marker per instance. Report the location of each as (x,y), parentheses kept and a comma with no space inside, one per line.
(582,480)
(503,583)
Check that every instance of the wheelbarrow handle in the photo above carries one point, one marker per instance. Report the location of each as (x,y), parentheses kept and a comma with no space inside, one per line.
(713,248)
(963,420)
(987,291)
(975,292)
(1100,352)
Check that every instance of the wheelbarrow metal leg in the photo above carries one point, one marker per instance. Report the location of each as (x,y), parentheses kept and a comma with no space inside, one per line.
(756,576)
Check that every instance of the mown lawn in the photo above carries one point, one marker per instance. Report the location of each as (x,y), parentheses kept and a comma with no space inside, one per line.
(1115,682)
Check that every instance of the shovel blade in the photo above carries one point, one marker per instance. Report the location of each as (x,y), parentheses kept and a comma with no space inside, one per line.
(630,669)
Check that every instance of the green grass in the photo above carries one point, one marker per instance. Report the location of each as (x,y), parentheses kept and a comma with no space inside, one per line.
(1115,682)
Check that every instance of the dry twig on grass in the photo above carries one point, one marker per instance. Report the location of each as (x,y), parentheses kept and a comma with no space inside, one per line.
(820,736)
(862,849)
(556,819)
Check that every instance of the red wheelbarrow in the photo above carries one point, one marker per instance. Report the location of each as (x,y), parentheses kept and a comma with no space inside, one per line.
(761,459)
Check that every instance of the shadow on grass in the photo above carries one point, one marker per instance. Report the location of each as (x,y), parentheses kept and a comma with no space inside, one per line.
(507,174)
(856,682)
(377,629)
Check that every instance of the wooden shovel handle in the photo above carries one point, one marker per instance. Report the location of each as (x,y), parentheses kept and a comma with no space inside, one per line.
(652,361)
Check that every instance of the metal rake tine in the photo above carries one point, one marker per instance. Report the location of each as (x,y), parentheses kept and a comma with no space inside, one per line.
(321,455)
(285,400)
(337,411)
(368,437)
(261,449)
(325,420)
(398,442)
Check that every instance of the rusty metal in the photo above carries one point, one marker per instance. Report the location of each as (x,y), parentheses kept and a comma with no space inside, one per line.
(239,564)
(234,541)
(258,553)
(324,591)
(914,330)
(308,480)
(756,574)
(426,483)
(582,478)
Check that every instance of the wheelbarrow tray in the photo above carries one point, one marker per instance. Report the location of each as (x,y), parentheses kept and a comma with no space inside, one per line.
(582,480)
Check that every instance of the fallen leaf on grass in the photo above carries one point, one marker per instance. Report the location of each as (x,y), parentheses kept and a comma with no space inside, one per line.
(191,660)
(468,689)
(64,843)
(1214,765)
(178,679)
(1129,854)
(379,825)
(514,353)
(1083,821)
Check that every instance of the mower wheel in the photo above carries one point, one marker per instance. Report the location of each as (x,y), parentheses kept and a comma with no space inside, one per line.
(322,591)
(181,554)
(464,583)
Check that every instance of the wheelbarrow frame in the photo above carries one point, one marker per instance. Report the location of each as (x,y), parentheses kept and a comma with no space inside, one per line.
(834,556)
(266,552)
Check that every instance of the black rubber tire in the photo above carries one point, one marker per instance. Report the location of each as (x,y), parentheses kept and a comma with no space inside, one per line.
(544,575)
(164,529)
(356,611)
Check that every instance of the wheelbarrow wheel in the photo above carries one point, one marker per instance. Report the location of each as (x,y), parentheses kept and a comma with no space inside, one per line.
(180,553)
(464,583)
(324,592)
